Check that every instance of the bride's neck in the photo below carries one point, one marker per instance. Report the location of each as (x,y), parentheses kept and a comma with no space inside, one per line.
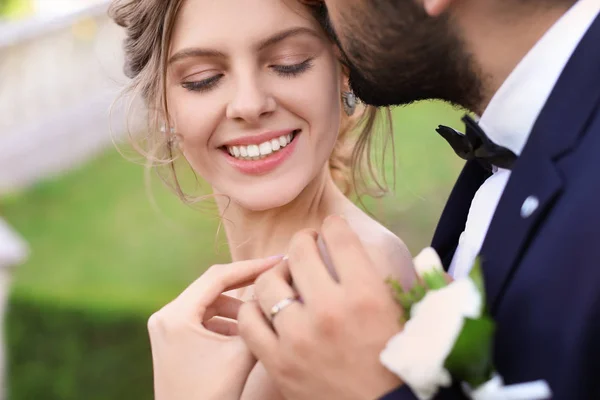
(257,234)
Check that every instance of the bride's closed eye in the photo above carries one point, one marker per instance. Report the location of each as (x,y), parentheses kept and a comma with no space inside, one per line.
(203,85)
(284,70)
(292,70)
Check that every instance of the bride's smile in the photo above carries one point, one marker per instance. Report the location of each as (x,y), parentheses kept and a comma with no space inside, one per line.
(261,153)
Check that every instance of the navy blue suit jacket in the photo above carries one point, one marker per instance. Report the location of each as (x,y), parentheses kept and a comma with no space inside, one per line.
(542,272)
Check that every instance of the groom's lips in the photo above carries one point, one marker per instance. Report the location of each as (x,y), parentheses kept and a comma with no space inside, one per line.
(264,165)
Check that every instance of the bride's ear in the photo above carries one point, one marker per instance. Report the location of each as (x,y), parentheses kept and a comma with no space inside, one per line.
(435,8)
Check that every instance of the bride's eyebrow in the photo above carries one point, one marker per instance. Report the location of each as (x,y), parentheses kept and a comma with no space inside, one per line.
(195,52)
(285,34)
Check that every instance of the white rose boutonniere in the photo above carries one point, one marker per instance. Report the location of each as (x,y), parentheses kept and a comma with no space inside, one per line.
(448,337)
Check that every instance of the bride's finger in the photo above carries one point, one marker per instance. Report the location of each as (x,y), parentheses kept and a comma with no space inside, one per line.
(197,297)
(222,326)
(224,306)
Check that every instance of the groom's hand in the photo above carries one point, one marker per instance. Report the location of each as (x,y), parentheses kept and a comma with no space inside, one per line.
(327,345)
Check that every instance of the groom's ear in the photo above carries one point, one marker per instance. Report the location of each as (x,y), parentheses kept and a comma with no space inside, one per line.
(436,7)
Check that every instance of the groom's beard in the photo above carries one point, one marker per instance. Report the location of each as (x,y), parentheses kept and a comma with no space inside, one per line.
(399,55)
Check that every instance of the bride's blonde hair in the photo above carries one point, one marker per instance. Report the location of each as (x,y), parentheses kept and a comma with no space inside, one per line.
(149,26)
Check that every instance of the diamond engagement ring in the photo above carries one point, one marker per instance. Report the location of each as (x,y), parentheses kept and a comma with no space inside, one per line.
(281,305)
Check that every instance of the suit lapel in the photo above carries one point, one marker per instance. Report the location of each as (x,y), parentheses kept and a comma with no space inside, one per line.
(531,189)
(535,183)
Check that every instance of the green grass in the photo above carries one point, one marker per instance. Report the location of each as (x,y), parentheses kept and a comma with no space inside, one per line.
(97,241)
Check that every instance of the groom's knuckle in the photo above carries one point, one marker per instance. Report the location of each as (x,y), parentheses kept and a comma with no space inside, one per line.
(284,367)
(366,304)
(327,319)
(299,343)
(329,327)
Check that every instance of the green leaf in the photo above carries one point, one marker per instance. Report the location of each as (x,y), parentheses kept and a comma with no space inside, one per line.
(418,291)
(401,297)
(396,287)
(435,280)
(471,358)
(406,298)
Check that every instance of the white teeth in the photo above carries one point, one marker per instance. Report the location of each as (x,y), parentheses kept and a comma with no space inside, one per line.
(265,149)
(275,144)
(255,152)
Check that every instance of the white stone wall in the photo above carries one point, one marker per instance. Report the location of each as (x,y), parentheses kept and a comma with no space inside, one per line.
(58,79)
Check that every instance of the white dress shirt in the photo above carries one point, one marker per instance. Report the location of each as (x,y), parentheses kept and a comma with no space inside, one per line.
(511,114)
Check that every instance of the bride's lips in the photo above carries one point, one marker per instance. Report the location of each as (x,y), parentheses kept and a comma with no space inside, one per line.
(268,163)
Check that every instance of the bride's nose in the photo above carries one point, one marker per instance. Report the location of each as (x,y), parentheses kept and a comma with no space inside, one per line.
(250,102)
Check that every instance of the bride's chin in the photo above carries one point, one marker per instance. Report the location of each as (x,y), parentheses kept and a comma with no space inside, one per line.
(260,202)
(262,205)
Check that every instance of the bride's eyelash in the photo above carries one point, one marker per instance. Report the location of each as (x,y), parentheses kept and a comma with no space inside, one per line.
(287,71)
(204,85)
(290,71)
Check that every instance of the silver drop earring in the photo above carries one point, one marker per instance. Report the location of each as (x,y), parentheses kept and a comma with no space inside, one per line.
(349,101)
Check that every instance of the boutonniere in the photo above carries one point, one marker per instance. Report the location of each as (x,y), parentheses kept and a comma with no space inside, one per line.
(448,336)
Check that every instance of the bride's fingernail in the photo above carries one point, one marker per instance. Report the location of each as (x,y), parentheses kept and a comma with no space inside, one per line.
(285,258)
(278,256)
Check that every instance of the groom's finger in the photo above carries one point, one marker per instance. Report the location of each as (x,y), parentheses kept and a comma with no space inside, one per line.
(349,256)
(273,287)
(221,278)
(255,330)
(309,273)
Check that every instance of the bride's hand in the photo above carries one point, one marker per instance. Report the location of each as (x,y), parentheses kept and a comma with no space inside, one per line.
(196,350)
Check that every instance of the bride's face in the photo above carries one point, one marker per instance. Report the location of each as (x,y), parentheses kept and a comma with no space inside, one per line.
(253,91)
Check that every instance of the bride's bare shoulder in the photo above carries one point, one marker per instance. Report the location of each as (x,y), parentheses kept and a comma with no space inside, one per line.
(388,252)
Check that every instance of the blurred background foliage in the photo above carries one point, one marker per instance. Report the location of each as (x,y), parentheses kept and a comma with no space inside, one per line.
(104,256)
(15,8)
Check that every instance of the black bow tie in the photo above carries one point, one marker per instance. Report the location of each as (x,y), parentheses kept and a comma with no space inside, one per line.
(475,145)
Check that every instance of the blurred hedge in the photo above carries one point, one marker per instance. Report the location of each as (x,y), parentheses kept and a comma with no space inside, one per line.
(57,353)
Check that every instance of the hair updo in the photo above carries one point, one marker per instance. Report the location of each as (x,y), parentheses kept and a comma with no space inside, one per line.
(149,26)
